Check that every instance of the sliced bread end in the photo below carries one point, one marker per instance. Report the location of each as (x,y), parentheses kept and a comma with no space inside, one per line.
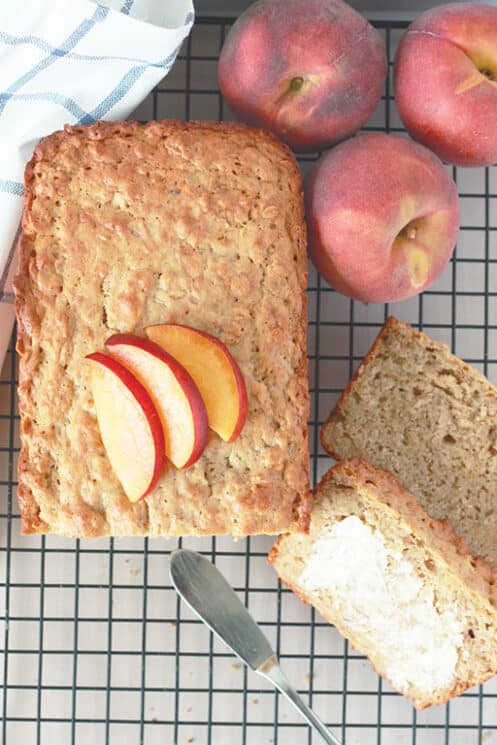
(401,586)
(415,409)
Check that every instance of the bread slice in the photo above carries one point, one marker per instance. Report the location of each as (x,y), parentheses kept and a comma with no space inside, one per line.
(420,412)
(128,225)
(401,586)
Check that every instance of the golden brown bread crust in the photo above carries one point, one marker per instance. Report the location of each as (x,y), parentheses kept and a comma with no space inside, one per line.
(474,574)
(128,225)
(389,324)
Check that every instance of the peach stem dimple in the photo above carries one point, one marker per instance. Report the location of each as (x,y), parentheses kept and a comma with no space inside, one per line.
(409,232)
(488,73)
(296,84)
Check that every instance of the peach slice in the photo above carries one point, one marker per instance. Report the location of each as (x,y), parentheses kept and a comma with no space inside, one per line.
(214,370)
(129,425)
(174,393)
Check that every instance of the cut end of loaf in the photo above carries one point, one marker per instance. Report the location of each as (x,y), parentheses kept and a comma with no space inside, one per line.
(417,410)
(397,583)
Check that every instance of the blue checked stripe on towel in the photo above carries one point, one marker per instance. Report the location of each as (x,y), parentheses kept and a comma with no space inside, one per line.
(135,68)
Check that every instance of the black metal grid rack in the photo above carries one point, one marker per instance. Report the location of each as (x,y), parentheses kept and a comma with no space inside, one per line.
(97,648)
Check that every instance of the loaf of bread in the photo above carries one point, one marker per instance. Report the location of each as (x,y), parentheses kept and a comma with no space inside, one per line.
(128,225)
(420,412)
(401,586)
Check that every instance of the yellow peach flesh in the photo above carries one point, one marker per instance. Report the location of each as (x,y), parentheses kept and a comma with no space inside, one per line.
(172,404)
(211,370)
(125,432)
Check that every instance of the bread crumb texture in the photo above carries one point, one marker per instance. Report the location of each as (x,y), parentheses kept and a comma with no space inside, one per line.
(400,585)
(420,412)
(128,225)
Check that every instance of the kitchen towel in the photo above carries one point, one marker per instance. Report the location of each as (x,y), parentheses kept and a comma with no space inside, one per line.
(71,62)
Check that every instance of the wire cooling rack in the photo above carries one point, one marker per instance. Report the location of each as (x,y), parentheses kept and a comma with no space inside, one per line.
(97,648)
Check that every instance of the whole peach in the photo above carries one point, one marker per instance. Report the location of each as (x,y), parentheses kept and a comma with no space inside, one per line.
(446,82)
(312,71)
(383,217)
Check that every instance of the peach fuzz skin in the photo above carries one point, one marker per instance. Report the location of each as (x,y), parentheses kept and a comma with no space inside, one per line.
(383,217)
(311,71)
(446,82)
